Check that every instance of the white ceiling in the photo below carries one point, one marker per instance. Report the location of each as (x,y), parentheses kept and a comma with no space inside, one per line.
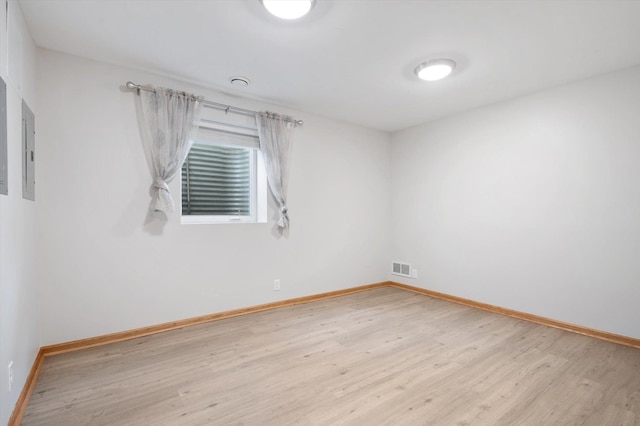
(352,59)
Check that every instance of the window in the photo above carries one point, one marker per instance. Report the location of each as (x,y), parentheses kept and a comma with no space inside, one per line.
(223,178)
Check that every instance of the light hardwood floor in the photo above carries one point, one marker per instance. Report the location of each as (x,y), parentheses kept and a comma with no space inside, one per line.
(379,357)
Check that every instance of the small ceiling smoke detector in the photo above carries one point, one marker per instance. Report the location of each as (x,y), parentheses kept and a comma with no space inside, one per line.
(288,9)
(240,81)
(436,69)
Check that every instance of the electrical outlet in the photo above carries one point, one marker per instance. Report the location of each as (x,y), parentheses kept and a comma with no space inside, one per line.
(10,375)
(276,285)
(414,273)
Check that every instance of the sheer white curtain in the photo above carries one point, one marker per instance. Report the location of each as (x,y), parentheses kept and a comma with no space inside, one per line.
(167,121)
(275,133)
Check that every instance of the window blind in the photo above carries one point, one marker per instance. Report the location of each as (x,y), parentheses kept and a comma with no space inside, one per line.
(216,180)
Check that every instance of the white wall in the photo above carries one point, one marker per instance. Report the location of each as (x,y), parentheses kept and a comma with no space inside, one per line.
(531,204)
(107,269)
(19,305)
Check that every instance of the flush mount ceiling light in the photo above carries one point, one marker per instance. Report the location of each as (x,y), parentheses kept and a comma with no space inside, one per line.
(288,9)
(436,69)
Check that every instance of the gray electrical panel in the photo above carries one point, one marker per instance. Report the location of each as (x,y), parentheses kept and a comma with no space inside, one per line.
(29,153)
(4,167)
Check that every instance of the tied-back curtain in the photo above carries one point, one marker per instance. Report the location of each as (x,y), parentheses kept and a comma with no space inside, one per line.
(167,121)
(275,133)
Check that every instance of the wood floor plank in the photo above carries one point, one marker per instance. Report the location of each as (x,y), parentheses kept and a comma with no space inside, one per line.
(380,357)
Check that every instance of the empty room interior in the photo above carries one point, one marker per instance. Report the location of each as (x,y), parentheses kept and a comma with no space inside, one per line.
(267,212)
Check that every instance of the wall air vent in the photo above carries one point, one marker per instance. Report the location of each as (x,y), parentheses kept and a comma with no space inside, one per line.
(401,268)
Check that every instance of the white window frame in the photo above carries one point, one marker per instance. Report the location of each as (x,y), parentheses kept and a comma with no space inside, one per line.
(244,135)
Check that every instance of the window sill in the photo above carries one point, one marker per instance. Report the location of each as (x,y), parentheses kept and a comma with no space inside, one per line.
(217,220)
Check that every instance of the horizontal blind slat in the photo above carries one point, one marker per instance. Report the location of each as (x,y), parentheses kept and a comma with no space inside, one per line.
(216,180)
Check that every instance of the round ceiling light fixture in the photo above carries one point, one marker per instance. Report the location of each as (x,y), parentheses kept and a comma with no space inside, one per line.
(288,9)
(436,69)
